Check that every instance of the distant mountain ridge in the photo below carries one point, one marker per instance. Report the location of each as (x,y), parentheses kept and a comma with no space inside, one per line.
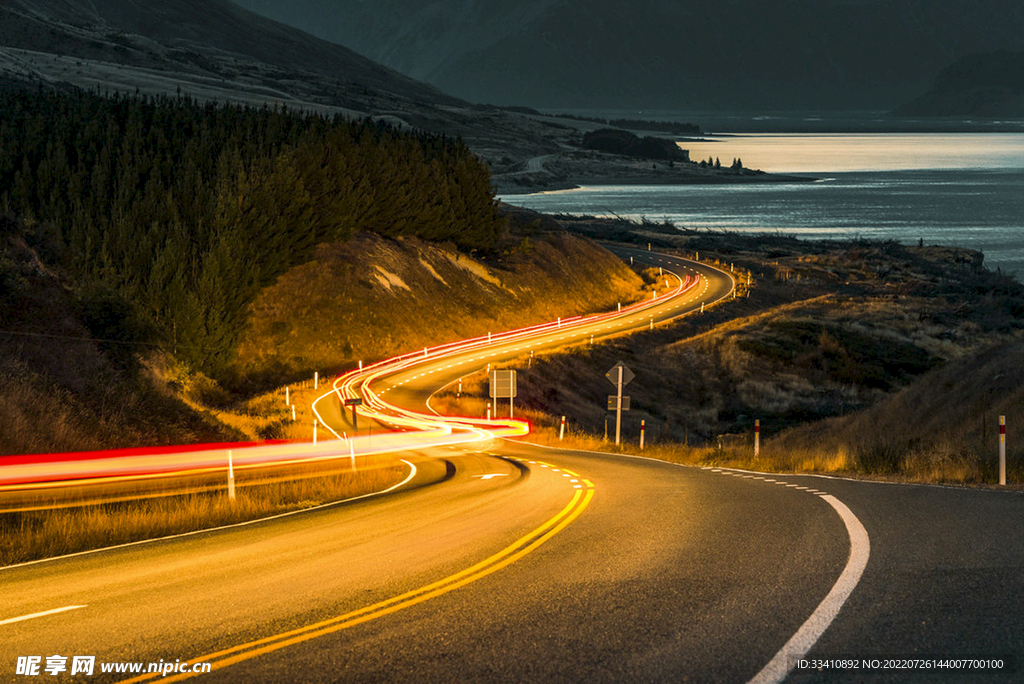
(666,54)
(982,85)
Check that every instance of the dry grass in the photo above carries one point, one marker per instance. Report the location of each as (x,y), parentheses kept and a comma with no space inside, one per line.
(332,312)
(94,517)
(30,535)
(935,466)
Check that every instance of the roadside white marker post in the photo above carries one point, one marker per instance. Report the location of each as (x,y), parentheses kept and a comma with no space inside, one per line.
(231,477)
(352,453)
(1002,450)
(425,352)
(316,379)
(559,321)
(460,389)
(652,322)
(620,306)
(488,338)
(648,246)
(696,256)
(293,412)
(360,365)
(660,271)
(591,339)
(643,424)
(314,431)
(757,437)
(561,430)
(630,261)
(488,410)
(702,307)
(287,395)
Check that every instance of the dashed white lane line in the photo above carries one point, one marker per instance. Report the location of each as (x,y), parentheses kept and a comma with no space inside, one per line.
(44,613)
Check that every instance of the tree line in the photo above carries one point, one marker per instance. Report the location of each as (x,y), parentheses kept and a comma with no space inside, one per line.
(186,210)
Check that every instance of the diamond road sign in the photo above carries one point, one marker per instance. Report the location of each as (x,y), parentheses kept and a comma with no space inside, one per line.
(613,374)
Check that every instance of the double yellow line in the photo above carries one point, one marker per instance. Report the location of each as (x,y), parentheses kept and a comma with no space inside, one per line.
(510,554)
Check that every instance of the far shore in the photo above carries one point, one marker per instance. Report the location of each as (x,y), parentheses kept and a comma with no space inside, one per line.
(507,186)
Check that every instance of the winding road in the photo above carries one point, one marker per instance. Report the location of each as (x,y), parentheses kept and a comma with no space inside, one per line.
(502,561)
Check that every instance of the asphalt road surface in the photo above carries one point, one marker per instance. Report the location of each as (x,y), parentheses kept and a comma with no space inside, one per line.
(510,562)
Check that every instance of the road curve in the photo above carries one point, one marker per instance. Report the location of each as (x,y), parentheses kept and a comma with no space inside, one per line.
(502,561)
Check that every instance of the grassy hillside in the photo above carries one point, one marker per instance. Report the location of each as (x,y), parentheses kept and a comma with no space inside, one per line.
(857,357)
(186,211)
(65,382)
(945,425)
(372,297)
(79,371)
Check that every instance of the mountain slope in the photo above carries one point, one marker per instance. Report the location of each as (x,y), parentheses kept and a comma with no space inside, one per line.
(985,85)
(70,378)
(217,52)
(214,42)
(678,54)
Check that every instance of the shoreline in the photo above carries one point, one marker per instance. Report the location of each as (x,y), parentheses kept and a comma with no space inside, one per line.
(505,188)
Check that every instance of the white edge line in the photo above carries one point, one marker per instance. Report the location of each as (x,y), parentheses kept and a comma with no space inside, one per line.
(841,478)
(860,549)
(726,470)
(412,474)
(800,643)
(37,615)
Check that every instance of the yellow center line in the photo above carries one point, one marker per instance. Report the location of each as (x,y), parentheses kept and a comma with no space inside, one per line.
(510,554)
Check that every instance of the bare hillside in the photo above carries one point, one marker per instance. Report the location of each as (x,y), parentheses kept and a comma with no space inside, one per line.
(372,298)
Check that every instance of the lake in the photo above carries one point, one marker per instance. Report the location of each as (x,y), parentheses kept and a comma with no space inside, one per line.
(962,189)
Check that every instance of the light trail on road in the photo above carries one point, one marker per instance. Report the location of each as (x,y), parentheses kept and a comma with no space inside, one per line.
(666,573)
(411,430)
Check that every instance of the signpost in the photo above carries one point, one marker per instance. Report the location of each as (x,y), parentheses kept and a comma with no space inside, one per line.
(620,376)
(353,402)
(503,386)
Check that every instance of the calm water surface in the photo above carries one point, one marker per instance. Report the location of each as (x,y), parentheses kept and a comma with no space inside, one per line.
(956,189)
